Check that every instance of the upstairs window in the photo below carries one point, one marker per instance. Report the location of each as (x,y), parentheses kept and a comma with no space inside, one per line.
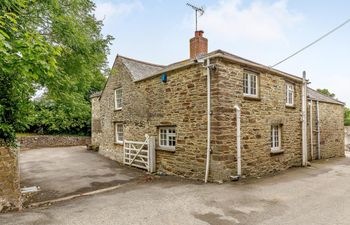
(250,84)
(118,98)
(276,138)
(289,94)
(119,133)
(167,137)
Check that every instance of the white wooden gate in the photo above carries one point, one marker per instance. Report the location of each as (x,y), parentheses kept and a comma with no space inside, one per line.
(141,154)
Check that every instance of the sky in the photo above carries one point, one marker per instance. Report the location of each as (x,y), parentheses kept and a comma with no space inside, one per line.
(265,31)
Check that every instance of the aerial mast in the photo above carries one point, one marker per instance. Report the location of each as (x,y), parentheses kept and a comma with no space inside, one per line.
(198,10)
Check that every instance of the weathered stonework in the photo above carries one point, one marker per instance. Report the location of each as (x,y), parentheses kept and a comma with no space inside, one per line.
(96,127)
(10,196)
(332,130)
(257,117)
(182,102)
(37,141)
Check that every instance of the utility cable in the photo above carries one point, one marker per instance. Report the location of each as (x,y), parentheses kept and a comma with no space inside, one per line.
(312,43)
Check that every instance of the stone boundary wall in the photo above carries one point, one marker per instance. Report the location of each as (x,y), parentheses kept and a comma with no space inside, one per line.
(347,138)
(36,141)
(9,180)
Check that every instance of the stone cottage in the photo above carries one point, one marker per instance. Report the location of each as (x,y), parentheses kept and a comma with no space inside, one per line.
(215,116)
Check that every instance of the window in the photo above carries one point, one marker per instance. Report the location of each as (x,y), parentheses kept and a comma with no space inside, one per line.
(289,94)
(167,137)
(119,133)
(250,84)
(118,97)
(275,138)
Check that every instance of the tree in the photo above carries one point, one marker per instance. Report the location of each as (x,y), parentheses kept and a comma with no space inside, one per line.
(347,117)
(26,58)
(326,92)
(70,24)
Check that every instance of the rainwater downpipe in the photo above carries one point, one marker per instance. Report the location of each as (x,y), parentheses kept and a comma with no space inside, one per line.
(304,121)
(318,130)
(311,132)
(208,120)
(238,143)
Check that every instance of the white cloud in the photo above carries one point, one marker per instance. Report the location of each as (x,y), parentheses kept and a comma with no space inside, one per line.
(259,21)
(107,10)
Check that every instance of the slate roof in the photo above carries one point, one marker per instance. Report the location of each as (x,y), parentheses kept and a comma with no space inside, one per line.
(96,94)
(314,95)
(140,70)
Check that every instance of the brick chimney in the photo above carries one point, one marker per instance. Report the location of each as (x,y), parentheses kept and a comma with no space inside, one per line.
(198,45)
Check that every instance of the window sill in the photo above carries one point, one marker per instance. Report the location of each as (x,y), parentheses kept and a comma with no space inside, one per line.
(118,109)
(165,149)
(253,98)
(119,143)
(277,152)
(290,106)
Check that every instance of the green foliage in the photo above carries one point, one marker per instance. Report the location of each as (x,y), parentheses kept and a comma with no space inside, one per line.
(51,117)
(55,44)
(347,117)
(326,92)
(26,58)
(70,24)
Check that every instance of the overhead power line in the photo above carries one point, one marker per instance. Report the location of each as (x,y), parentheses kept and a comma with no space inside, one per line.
(312,43)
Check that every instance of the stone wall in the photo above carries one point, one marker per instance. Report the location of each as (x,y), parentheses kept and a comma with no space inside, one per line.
(95,121)
(9,180)
(36,141)
(347,138)
(150,104)
(331,130)
(182,102)
(257,117)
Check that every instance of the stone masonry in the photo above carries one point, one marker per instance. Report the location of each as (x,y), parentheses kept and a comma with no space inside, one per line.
(9,180)
(37,141)
(181,102)
(331,119)
(257,117)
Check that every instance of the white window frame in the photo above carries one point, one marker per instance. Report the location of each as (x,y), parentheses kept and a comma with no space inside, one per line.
(290,94)
(118,98)
(276,138)
(250,84)
(167,141)
(119,133)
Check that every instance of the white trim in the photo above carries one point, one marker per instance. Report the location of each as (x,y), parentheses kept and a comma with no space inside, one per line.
(290,89)
(276,145)
(117,133)
(116,106)
(167,140)
(250,75)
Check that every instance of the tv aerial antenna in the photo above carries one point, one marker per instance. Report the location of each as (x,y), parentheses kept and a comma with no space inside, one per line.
(198,10)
